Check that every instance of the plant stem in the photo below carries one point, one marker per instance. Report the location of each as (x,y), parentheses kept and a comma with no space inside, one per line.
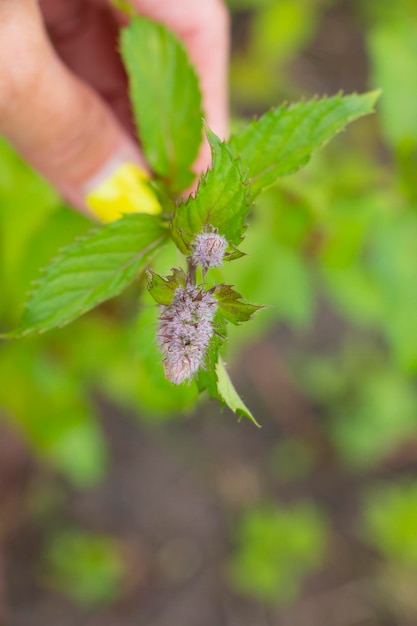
(192,272)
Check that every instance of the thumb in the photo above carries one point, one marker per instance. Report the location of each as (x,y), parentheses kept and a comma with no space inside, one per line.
(61,127)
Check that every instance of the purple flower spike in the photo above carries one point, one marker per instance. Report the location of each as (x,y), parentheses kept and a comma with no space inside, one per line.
(185,330)
(208,250)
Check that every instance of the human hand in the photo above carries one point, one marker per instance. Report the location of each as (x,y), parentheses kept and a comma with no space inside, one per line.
(63,97)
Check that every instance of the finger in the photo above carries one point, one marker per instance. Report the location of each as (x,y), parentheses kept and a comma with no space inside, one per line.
(85,36)
(55,121)
(203,26)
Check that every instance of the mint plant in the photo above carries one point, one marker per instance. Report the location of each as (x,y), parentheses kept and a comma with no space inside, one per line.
(208,227)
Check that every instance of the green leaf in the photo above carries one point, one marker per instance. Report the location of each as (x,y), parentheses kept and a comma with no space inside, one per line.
(214,377)
(93,269)
(222,201)
(232,306)
(207,377)
(283,140)
(234,254)
(162,289)
(166,100)
(228,394)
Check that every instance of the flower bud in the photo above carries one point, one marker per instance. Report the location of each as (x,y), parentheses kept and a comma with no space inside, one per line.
(208,250)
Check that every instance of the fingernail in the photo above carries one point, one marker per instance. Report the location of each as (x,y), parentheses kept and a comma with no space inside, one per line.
(122,188)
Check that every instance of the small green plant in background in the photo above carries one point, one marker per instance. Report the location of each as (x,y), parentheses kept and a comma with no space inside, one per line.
(370,405)
(389,522)
(86,567)
(196,309)
(277,548)
(277,31)
(388,525)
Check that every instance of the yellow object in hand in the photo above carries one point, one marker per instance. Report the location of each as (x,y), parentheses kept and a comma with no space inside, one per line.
(126,190)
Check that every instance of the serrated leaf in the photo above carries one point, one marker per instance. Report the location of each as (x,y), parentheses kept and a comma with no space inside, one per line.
(232,306)
(92,270)
(228,394)
(234,255)
(166,100)
(283,140)
(214,377)
(222,201)
(207,377)
(162,289)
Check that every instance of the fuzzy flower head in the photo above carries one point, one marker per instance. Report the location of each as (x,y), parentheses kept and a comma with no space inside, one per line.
(208,250)
(185,330)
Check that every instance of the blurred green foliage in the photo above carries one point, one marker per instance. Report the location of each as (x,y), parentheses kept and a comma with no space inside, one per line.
(277,547)
(85,567)
(277,31)
(390,521)
(370,405)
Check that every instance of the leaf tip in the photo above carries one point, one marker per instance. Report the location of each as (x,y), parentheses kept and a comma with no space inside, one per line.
(374,95)
(248,415)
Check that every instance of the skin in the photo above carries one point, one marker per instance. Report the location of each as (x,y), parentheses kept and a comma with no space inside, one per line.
(63,91)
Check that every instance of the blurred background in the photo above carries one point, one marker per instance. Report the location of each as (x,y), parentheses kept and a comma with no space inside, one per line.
(120,503)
